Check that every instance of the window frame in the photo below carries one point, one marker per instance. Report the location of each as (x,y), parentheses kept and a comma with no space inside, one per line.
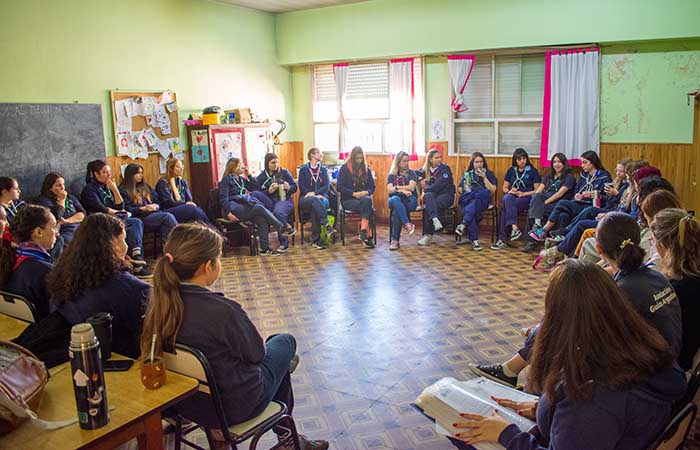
(386,123)
(496,120)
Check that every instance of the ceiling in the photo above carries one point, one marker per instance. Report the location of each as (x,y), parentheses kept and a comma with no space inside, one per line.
(278,6)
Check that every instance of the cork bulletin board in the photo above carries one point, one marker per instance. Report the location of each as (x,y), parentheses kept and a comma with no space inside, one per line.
(140,124)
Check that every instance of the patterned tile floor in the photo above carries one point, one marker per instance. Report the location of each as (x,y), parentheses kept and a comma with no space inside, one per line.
(376,327)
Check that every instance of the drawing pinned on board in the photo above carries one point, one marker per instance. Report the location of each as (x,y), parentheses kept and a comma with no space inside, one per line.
(165,97)
(165,129)
(123,142)
(437,130)
(200,146)
(137,106)
(149,105)
(149,121)
(171,107)
(174,144)
(162,164)
(151,137)
(163,148)
(123,119)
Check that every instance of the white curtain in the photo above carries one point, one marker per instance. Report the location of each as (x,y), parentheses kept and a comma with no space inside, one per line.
(571,114)
(340,72)
(460,67)
(402,137)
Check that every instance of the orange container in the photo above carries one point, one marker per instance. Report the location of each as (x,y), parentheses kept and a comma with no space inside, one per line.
(210,119)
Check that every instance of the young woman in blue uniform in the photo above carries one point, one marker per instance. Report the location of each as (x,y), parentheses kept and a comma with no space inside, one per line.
(520,184)
(65,207)
(175,197)
(240,200)
(401,186)
(249,372)
(278,185)
(476,187)
(141,201)
(438,193)
(356,186)
(314,185)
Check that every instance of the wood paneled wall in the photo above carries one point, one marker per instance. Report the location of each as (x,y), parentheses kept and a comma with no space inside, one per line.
(151,167)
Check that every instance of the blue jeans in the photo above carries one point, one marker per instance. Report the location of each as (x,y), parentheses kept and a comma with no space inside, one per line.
(359,205)
(565,211)
(280,209)
(160,221)
(400,206)
(526,351)
(279,350)
(568,245)
(473,205)
(512,205)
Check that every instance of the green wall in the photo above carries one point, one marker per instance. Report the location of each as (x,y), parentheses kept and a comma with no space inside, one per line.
(382,28)
(78,50)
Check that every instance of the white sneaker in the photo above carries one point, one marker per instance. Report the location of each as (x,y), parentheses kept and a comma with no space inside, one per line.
(437,225)
(476,246)
(515,234)
(425,240)
(461,229)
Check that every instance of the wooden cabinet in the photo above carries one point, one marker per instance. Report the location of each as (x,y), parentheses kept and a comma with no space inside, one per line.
(213,145)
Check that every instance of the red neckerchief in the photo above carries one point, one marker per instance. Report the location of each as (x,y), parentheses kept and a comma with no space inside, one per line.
(430,173)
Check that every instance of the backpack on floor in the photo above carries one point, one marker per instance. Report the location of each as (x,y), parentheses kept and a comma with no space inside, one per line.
(326,238)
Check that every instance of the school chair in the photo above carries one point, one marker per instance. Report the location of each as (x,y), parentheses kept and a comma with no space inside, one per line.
(304,219)
(676,432)
(191,362)
(692,394)
(16,306)
(411,214)
(154,238)
(228,228)
(344,214)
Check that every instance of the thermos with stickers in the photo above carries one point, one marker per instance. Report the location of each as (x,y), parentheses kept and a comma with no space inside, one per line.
(88,377)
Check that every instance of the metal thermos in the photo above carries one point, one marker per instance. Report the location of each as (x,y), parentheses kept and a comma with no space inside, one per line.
(88,377)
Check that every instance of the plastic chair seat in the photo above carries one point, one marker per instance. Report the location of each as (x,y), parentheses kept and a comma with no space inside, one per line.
(245,427)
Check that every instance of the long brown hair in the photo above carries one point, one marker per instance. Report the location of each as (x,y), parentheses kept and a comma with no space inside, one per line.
(679,233)
(189,245)
(630,193)
(658,201)
(428,158)
(591,336)
(170,168)
(87,262)
(395,163)
(231,167)
(48,183)
(137,191)
(358,171)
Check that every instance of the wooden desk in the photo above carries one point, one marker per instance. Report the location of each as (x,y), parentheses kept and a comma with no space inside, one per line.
(135,410)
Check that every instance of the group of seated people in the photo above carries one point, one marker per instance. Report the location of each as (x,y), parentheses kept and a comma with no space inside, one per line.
(608,357)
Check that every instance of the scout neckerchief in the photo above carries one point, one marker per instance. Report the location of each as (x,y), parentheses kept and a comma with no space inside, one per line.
(519,178)
(105,193)
(590,179)
(68,207)
(180,185)
(401,180)
(315,174)
(554,187)
(433,172)
(31,250)
(241,186)
(275,175)
(11,208)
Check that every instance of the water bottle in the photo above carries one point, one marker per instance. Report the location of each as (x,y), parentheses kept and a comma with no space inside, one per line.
(282,192)
(88,377)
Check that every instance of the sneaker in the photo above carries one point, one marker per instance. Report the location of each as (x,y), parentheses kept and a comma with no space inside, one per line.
(293,363)
(394,245)
(291,231)
(437,225)
(494,372)
(142,272)
(329,229)
(547,259)
(525,332)
(425,240)
(137,259)
(515,234)
(270,252)
(499,245)
(460,241)
(476,246)
(283,247)
(306,444)
(410,228)
(539,234)
(366,240)
(555,238)
(318,245)
(531,247)
(460,230)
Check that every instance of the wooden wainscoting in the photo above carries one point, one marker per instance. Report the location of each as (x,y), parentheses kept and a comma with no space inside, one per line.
(151,167)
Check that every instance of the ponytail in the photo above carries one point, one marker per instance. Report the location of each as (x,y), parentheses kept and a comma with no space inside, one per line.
(679,233)
(619,236)
(187,248)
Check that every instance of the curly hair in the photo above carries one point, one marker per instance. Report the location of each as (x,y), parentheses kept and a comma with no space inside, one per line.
(88,261)
(27,220)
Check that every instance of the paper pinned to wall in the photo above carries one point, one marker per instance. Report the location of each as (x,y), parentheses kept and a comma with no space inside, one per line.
(151,137)
(165,97)
(122,111)
(171,107)
(163,148)
(165,129)
(162,162)
(123,168)
(137,107)
(149,105)
(123,142)
(437,130)
(174,144)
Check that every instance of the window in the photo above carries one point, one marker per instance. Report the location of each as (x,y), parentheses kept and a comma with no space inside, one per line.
(504,96)
(366,106)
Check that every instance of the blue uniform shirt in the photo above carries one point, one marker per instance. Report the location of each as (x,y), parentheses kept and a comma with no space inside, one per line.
(523,180)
